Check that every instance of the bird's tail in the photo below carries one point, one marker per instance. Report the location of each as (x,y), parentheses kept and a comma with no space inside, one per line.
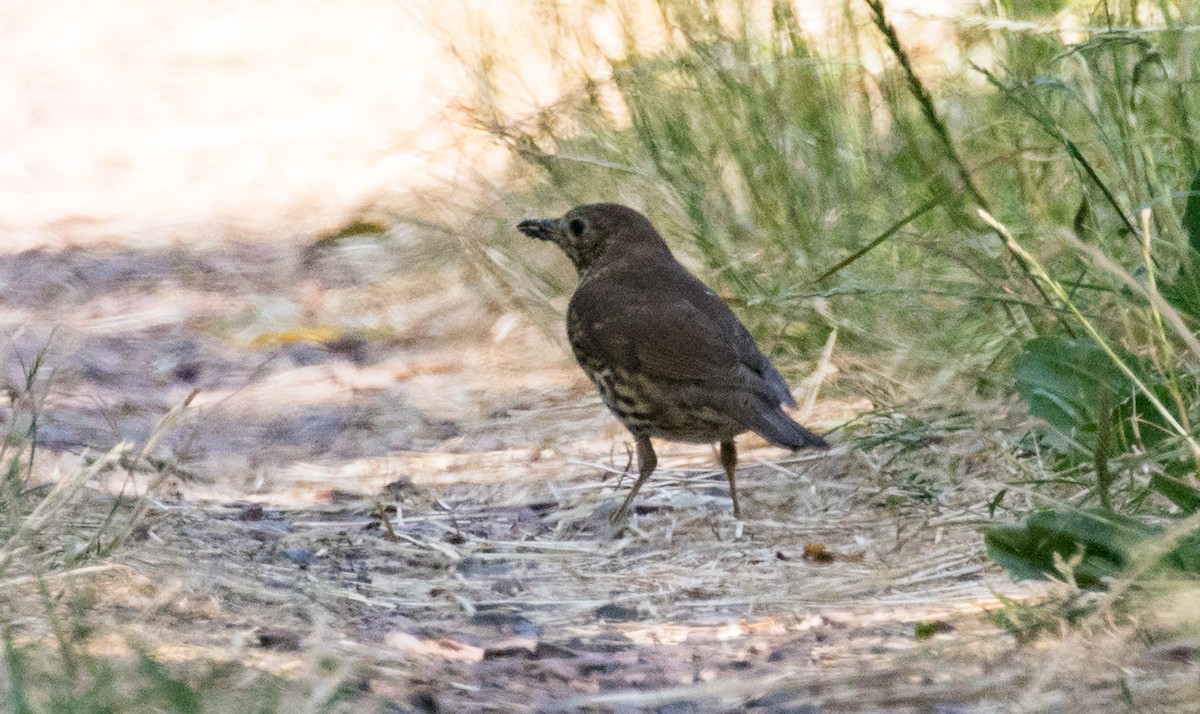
(772,424)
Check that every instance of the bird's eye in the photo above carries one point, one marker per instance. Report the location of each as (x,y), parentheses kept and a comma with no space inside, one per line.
(576,226)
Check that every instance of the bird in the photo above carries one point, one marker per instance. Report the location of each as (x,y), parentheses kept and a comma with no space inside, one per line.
(669,358)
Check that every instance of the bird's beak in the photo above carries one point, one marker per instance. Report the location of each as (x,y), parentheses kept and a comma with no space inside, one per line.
(541,228)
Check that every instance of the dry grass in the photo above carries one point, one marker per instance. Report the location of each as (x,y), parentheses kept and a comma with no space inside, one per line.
(495,582)
(517,595)
(389,493)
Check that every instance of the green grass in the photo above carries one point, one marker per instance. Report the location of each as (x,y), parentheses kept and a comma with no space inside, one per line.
(769,164)
(1022,222)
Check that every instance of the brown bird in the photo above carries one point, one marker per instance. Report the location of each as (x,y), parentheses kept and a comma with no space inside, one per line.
(669,358)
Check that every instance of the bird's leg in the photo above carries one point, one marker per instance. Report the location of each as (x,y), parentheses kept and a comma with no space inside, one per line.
(646,463)
(729,462)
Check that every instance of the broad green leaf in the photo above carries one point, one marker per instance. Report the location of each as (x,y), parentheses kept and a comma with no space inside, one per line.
(1105,544)
(1186,555)
(1152,429)
(1067,382)
(1177,491)
(1104,540)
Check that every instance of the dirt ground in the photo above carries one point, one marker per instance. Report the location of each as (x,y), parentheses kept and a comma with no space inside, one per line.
(385,467)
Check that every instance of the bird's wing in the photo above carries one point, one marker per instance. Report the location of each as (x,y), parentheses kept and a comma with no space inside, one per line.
(672,339)
(751,356)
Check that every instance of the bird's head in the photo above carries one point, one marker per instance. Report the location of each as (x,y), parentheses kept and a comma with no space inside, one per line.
(598,233)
